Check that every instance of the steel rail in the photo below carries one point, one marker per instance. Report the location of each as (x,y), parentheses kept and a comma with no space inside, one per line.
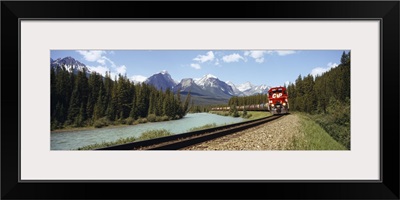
(178,141)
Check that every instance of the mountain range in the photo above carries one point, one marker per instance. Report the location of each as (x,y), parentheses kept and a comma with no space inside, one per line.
(205,89)
(69,63)
(207,86)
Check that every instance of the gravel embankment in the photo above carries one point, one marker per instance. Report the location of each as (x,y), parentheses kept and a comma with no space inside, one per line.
(275,135)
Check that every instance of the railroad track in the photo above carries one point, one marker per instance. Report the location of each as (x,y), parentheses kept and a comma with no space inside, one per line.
(183,140)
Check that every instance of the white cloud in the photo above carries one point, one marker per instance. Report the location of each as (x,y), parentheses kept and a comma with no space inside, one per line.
(98,56)
(232,58)
(99,69)
(121,70)
(91,56)
(257,55)
(260,60)
(320,70)
(138,78)
(217,62)
(114,76)
(332,65)
(204,58)
(284,53)
(110,61)
(102,61)
(196,66)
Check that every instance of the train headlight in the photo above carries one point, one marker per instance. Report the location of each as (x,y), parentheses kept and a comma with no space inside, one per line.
(284,104)
(272,105)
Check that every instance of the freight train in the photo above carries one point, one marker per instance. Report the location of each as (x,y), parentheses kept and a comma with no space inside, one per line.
(277,103)
(254,107)
(278,100)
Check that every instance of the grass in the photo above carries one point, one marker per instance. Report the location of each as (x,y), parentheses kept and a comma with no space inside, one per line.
(222,113)
(207,126)
(154,134)
(107,144)
(105,123)
(314,137)
(257,114)
(145,136)
(338,130)
(250,114)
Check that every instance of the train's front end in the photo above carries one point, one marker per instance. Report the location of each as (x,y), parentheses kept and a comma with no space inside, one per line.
(278,100)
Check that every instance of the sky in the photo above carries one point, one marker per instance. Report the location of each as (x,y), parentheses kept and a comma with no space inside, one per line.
(269,67)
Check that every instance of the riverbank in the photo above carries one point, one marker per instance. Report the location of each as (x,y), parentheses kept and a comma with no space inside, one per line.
(69,140)
(103,123)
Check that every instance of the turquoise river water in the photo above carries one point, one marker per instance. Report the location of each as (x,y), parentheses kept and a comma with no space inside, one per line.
(74,139)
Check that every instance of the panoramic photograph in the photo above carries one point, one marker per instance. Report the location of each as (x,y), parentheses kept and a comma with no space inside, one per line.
(200,100)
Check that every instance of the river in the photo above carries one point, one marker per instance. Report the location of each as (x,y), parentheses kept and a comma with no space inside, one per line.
(74,139)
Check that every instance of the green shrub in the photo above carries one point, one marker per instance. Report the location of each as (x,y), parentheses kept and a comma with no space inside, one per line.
(247,116)
(129,120)
(107,144)
(151,118)
(312,136)
(154,134)
(207,126)
(141,120)
(120,121)
(164,118)
(158,119)
(101,122)
(337,128)
(55,125)
(235,114)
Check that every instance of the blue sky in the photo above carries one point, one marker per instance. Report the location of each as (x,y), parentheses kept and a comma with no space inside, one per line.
(269,67)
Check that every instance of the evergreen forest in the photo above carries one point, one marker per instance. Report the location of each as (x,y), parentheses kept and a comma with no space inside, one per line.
(81,99)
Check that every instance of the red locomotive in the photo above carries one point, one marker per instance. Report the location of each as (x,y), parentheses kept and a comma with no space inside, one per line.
(278,100)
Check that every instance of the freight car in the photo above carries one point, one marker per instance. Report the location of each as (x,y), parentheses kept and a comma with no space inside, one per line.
(253,107)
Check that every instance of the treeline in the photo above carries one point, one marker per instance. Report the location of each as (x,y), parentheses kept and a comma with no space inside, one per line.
(326,98)
(316,95)
(248,100)
(79,99)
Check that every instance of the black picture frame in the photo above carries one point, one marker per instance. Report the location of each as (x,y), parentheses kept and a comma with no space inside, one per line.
(386,11)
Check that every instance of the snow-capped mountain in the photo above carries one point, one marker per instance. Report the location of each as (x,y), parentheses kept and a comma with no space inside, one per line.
(188,85)
(263,89)
(248,89)
(69,63)
(245,86)
(161,80)
(205,80)
(236,91)
(217,87)
(206,86)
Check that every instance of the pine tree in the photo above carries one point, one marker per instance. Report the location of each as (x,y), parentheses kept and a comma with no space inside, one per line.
(99,108)
(345,59)
(111,112)
(186,104)
(53,94)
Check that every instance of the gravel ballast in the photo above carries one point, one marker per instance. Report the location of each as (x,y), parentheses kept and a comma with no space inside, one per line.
(275,135)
